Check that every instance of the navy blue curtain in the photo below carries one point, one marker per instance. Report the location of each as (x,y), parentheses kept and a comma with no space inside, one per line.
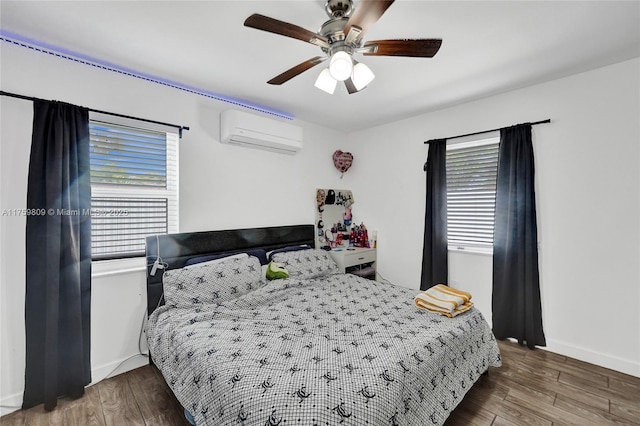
(58,256)
(516,289)
(434,253)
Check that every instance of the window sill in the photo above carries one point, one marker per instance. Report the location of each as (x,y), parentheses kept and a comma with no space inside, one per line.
(472,250)
(105,268)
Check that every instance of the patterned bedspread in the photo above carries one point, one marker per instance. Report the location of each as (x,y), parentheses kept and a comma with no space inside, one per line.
(336,350)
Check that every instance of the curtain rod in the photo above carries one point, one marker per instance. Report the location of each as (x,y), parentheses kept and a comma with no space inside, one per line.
(177,126)
(548,120)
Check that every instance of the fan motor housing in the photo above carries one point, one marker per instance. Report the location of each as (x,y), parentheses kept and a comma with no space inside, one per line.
(333,29)
(338,8)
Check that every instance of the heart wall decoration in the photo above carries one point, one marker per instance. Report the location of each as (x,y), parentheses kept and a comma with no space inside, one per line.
(342,161)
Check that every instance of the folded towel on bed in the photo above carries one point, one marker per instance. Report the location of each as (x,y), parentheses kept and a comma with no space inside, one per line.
(444,300)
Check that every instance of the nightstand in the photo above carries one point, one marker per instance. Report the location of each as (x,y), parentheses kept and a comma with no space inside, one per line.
(356,260)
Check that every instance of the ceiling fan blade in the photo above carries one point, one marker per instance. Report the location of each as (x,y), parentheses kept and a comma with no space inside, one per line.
(271,25)
(351,88)
(422,48)
(298,69)
(366,13)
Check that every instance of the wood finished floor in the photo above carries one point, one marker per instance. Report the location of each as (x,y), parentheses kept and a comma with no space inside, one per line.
(531,388)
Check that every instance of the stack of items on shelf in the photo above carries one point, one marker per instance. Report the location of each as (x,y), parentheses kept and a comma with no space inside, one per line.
(359,237)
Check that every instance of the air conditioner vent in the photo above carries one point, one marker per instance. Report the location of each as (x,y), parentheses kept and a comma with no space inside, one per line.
(254,131)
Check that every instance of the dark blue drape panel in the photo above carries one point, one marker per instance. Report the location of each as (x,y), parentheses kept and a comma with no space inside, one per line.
(434,255)
(516,288)
(58,287)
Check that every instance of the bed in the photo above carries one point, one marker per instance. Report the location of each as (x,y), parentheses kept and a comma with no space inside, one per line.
(317,348)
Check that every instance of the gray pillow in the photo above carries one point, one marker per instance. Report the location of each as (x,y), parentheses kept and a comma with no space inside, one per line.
(310,263)
(286,249)
(212,283)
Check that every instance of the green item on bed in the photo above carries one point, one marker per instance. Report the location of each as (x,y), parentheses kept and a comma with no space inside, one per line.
(276,271)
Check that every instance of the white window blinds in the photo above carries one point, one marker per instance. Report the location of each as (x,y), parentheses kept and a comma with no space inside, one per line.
(134,188)
(471,193)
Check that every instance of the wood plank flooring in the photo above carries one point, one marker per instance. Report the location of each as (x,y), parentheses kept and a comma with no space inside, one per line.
(531,388)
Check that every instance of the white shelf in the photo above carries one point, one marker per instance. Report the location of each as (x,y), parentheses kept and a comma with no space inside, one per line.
(357,260)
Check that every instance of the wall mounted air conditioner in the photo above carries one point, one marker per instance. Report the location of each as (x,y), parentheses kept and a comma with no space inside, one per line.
(253,131)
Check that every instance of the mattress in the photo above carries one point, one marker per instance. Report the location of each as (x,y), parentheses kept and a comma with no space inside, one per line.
(331,350)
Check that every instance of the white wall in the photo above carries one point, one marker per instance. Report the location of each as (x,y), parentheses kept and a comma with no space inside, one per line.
(221,187)
(588,180)
(588,189)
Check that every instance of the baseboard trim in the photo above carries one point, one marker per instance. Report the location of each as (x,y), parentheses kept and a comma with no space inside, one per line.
(118,367)
(10,403)
(612,362)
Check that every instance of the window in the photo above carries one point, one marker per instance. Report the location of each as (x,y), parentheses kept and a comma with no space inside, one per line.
(471,193)
(134,188)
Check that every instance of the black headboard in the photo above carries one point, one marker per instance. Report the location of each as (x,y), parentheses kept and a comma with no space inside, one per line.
(176,249)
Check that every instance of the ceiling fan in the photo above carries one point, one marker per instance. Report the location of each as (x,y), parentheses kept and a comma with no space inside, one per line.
(339,38)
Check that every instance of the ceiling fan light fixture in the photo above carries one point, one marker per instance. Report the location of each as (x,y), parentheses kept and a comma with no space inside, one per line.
(339,39)
(362,76)
(341,66)
(326,82)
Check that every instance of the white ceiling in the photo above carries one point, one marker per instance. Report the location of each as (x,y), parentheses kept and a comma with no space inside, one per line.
(488,47)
